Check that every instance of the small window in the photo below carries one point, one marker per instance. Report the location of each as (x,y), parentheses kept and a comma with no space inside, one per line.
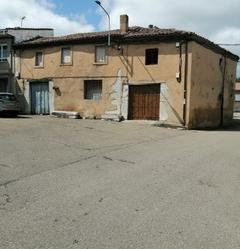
(39,59)
(151,56)
(220,61)
(237,97)
(100,56)
(3,52)
(93,89)
(66,57)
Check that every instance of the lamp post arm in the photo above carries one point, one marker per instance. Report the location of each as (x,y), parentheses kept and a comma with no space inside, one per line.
(109,24)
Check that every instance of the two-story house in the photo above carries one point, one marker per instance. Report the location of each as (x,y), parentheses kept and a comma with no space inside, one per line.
(173,76)
(8,37)
(6,62)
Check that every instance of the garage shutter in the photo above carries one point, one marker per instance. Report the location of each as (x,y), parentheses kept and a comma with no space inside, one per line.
(144,102)
(40,98)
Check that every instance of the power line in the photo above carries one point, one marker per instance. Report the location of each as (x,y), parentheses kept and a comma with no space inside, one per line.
(228,44)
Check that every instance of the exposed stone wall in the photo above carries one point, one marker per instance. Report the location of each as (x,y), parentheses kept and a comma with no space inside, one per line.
(164,106)
(124,107)
(116,99)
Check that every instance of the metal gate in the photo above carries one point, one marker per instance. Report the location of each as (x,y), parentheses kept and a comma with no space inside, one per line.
(144,102)
(40,98)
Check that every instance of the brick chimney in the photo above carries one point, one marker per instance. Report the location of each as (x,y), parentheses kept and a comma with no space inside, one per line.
(124,23)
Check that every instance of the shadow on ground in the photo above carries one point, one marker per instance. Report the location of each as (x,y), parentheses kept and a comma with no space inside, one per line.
(7,116)
(234,127)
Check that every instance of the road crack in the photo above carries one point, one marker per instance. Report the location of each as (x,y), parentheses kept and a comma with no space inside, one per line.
(5,165)
(5,184)
(4,198)
(119,160)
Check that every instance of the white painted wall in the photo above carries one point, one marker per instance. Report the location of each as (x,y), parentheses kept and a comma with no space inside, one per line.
(51,97)
(27,108)
(22,34)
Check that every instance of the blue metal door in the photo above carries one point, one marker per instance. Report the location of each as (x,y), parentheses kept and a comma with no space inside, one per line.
(40,98)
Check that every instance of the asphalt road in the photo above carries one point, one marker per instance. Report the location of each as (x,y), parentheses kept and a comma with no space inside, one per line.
(103,185)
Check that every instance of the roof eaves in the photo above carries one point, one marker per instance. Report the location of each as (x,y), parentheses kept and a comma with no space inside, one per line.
(213,46)
(135,35)
(6,36)
(31,39)
(63,41)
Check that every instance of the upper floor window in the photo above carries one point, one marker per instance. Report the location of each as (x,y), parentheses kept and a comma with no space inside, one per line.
(237,97)
(39,59)
(100,54)
(3,52)
(151,56)
(66,56)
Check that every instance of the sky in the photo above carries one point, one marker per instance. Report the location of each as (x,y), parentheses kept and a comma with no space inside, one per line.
(216,20)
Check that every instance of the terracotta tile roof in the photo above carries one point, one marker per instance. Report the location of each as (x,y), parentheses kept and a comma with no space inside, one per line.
(134,34)
(73,37)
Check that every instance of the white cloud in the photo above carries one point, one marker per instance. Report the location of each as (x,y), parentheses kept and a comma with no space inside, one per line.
(226,36)
(204,16)
(216,20)
(40,13)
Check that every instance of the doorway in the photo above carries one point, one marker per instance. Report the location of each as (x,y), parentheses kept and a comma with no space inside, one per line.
(39,97)
(144,102)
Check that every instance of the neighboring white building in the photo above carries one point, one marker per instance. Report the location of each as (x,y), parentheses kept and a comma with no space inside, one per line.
(21,34)
(9,37)
(237,97)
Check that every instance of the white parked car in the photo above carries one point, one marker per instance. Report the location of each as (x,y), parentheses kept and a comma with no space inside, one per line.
(9,104)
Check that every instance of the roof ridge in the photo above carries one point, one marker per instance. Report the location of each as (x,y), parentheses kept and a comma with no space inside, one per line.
(32,39)
(134,34)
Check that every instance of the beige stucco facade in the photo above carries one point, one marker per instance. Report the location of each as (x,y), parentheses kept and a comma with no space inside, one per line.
(209,79)
(190,77)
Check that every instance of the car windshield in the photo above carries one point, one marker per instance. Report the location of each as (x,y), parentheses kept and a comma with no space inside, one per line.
(7,97)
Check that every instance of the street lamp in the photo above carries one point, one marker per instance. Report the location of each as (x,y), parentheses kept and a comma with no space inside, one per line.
(22,18)
(109,22)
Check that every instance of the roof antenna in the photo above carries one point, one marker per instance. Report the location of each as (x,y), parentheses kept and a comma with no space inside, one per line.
(22,19)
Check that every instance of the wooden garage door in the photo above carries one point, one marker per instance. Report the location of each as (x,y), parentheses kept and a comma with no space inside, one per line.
(144,102)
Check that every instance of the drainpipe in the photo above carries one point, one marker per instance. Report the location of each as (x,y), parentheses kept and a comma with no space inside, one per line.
(185,85)
(179,79)
(223,88)
(11,87)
